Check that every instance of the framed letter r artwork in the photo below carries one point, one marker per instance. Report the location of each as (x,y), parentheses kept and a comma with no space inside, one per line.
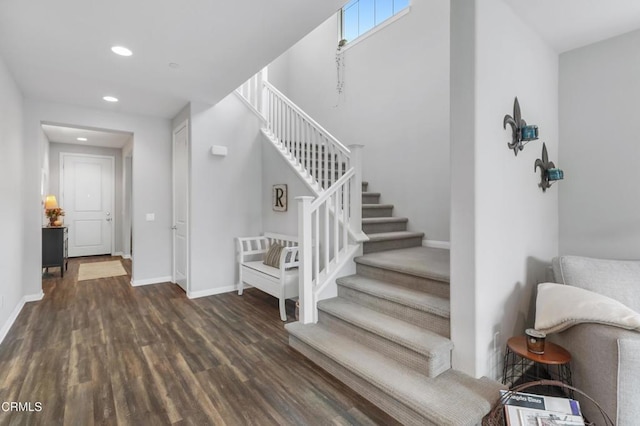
(279,198)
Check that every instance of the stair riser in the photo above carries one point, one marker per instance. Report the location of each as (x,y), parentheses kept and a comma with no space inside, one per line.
(377,212)
(429,366)
(369,391)
(370,198)
(437,288)
(375,228)
(376,246)
(426,320)
(365,186)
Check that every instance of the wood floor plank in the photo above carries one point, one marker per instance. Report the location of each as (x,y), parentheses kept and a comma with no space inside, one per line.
(100,352)
(79,395)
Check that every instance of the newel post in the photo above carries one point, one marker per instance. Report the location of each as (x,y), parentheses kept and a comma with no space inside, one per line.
(306,296)
(356,189)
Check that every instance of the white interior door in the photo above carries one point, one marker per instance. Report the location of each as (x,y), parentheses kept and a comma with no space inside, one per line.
(87,184)
(181,205)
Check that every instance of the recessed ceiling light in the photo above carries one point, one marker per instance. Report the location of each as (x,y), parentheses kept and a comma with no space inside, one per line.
(110,99)
(121,50)
(82,139)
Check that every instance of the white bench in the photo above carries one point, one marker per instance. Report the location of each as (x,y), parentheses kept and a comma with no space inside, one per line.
(278,282)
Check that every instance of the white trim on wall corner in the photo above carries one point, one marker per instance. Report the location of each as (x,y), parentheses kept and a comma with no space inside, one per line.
(14,315)
(211,291)
(436,244)
(149,281)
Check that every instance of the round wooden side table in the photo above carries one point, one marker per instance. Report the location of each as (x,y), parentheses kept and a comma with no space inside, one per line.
(552,364)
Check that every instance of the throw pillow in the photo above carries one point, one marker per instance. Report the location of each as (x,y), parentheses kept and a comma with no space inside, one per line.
(272,256)
(560,306)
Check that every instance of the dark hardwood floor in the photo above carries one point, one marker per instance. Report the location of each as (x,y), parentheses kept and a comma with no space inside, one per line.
(102,352)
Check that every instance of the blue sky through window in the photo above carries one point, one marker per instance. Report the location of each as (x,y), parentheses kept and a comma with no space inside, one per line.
(359,16)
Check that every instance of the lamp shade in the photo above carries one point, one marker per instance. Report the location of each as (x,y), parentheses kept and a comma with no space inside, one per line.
(50,202)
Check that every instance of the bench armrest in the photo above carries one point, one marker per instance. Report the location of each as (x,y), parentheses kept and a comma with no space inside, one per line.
(290,253)
(251,248)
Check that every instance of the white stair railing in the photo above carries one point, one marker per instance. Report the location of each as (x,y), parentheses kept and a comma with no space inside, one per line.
(252,90)
(325,227)
(330,224)
(318,152)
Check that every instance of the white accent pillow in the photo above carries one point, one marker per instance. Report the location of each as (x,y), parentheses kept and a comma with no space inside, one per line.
(560,306)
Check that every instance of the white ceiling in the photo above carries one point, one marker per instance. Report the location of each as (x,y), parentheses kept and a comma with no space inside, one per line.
(569,24)
(60,50)
(102,138)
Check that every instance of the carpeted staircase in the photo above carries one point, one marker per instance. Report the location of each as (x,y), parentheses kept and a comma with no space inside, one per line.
(386,335)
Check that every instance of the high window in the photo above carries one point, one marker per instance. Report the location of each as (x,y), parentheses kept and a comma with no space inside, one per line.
(360,16)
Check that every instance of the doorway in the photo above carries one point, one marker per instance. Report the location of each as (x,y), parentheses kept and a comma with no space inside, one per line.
(180,226)
(87,191)
(88,148)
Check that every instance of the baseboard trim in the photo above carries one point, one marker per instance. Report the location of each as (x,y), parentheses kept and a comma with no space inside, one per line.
(211,291)
(149,281)
(14,314)
(126,256)
(33,297)
(436,244)
(117,253)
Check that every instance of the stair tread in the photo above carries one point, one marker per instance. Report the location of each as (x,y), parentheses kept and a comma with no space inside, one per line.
(403,333)
(377,206)
(370,193)
(438,399)
(406,296)
(390,219)
(425,262)
(395,235)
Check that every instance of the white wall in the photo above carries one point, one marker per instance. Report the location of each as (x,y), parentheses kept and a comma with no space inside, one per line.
(600,150)
(513,230)
(55,149)
(151,182)
(11,190)
(395,103)
(225,191)
(276,170)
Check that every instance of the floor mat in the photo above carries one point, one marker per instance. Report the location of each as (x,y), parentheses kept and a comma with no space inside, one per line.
(92,271)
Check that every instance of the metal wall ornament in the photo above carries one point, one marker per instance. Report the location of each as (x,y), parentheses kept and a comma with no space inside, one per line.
(521,133)
(549,174)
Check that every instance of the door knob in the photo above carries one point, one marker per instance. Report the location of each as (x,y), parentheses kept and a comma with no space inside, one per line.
(108,219)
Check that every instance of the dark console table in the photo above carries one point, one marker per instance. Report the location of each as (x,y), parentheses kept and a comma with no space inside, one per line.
(55,247)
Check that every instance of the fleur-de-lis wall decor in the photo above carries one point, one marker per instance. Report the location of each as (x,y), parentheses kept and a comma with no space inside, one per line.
(521,133)
(548,171)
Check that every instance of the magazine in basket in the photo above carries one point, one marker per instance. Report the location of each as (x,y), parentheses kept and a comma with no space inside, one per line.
(525,409)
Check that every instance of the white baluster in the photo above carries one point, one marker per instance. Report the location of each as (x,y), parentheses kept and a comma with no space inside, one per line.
(356,190)
(336,223)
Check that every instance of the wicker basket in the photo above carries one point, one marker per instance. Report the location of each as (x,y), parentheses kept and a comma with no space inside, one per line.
(496,416)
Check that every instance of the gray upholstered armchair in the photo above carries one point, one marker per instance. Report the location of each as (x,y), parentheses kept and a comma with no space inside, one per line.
(606,359)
